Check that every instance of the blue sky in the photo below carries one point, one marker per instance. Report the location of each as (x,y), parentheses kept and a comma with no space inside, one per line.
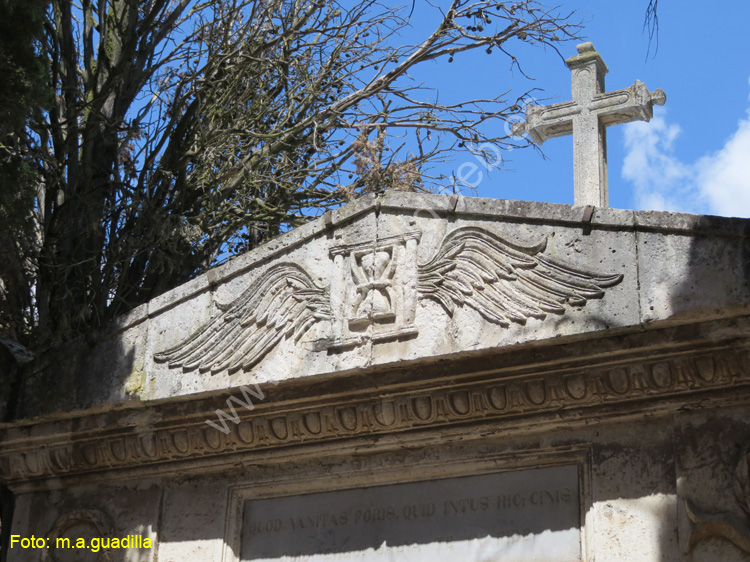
(694,156)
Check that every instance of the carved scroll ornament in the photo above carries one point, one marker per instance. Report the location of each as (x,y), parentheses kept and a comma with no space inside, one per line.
(727,526)
(77,520)
(373,296)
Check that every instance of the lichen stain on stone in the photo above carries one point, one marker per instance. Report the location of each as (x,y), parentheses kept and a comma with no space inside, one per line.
(135,383)
(552,246)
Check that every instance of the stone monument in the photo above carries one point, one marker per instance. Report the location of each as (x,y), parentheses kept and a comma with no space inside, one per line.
(411,377)
(586,117)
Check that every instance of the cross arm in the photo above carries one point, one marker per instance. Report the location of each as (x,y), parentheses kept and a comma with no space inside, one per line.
(624,106)
(546,122)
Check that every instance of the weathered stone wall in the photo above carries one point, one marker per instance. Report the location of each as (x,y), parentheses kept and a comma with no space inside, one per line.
(675,269)
(406,339)
(635,479)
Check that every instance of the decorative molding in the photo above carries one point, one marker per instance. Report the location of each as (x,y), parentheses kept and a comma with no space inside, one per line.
(727,526)
(364,475)
(96,518)
(387,410)
(373,294)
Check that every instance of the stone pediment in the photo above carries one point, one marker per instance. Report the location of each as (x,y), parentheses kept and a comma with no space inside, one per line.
(407,278)
(372,292)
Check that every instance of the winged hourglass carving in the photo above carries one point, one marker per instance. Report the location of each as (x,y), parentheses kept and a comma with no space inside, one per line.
(374,290)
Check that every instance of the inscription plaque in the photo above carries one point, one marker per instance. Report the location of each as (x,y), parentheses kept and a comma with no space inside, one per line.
(518,516)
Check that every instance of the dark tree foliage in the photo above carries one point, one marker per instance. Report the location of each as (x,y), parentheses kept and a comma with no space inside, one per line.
(22,89)
(22,86)
(180,133)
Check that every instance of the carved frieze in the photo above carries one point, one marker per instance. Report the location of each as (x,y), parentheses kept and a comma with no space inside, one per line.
(383,412)
(373,293)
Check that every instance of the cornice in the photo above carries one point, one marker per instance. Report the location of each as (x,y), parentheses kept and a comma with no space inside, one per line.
(417,401)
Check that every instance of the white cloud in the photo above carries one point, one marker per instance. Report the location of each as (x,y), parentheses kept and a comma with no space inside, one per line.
(659,178)
(718,183)
(724,177)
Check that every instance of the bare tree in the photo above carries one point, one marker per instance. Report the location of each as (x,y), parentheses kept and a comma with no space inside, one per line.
(651,24)
(182,133)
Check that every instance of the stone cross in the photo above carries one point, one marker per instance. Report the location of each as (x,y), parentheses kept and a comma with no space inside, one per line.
(586,118)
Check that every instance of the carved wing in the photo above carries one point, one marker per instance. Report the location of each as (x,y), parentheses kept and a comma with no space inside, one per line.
(503,281)
(283,302)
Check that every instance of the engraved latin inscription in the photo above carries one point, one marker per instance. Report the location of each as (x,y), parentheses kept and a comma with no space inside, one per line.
(513,516)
